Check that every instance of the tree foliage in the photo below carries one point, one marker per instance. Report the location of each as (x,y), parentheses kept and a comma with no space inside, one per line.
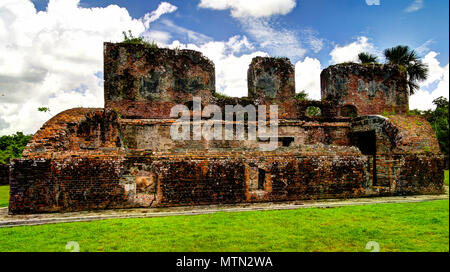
(44,109)
(438,119)
(366,58)
(12,146)
(403,56)
(302,95)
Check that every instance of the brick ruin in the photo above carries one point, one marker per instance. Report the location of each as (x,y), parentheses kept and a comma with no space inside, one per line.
(122,156)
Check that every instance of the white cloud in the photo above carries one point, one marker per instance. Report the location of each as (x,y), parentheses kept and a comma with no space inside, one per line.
(51,58)
(160,37)
(189,35)
(273,38)
(350,51)
(311,39)
(373,2)
(424,48)
(256,19)
(438,78)
(162,9)
(307,77)
(415,6)
(252,8)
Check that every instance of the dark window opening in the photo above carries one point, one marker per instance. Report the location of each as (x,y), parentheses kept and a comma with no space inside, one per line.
(286,141)
(349,111)
(261,179)
(190,105)
(366,142)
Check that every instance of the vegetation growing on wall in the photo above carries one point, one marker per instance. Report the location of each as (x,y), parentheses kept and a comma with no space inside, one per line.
(129,38)
(406,59)
(366,58)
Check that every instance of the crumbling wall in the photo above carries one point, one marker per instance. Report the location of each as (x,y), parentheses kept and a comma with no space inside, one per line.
(155,135)
(76,131)
(4,174)
(152,179)
(372,89)
(123,156)
(407,156)
(71,184)
(272,81)
(143,82)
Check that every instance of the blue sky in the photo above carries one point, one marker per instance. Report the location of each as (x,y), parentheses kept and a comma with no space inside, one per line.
(52,50)
(336,21)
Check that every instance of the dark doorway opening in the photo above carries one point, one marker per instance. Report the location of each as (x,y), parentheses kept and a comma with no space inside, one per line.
(366,141)
(261,178)
(286,141)
(190,105)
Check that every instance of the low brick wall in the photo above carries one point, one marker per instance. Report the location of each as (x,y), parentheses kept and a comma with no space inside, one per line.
(420,174)
(4,174)
(161,180)
(66,185)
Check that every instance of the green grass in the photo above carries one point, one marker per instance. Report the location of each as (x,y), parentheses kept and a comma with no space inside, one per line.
(395,227)
(4,196)
(446,177)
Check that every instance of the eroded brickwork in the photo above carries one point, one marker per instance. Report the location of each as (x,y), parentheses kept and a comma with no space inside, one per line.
(123,155)
(372,89)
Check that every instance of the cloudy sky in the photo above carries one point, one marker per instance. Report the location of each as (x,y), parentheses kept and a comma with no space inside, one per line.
(52,51)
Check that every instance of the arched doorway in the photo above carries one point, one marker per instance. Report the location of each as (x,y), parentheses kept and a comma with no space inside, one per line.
(349,111)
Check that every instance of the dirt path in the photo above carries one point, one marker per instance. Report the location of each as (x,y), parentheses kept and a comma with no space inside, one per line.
(39,219)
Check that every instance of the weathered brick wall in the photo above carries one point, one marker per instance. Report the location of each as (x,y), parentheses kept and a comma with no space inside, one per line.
(272,81)
(171,179)
(155,135)
(372,89)
(4,174)
(123,156)
(74,131)
(66,185)
(142,82)
(311,177)
(420,174)
(402,142)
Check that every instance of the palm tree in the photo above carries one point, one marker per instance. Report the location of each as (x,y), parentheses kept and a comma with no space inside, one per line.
(404,57)
(367,58)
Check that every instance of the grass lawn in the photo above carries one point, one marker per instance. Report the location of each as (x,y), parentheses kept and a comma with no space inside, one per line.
(395,227)
(4,196)
(446,177)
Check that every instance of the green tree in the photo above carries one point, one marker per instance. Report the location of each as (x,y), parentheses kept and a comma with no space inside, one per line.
(302,95)
(367,58)
(12,146)
(405,57)
(438,119)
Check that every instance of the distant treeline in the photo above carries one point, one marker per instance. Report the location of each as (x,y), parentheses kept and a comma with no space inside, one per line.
(11,146)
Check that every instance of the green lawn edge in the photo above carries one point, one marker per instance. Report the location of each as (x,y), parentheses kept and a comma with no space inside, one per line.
(401,227)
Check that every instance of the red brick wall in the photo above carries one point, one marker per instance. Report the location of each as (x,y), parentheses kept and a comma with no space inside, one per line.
(372,89)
